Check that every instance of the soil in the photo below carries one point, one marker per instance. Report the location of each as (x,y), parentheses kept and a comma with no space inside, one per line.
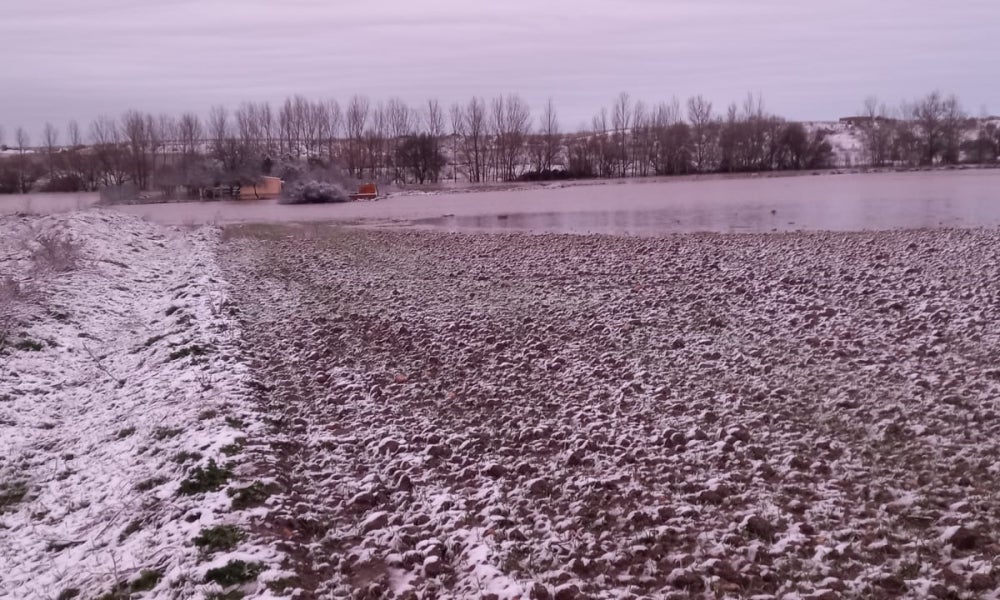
(500,416)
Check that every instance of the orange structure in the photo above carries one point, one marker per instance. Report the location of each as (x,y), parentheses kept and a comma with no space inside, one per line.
(366,191)
(268,188)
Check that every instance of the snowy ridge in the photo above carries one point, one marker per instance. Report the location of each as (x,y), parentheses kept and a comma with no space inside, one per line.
(120,380)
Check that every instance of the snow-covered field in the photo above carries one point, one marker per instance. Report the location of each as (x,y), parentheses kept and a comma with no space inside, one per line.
(118,381)
(317,412)
(720,416)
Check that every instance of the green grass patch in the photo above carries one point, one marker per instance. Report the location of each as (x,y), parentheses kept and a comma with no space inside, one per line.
(235,448)
(219,538)
(147,580)
(148,484)
(208,413)
(29,346)
(152,340)
(253,495)
(230,595)
(11,494)
(131,528)
(184,456)
(235,572)
(205,479)
(192,350)
(163,433)
(283,585)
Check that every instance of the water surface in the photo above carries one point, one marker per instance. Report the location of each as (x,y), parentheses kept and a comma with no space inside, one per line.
(825,202)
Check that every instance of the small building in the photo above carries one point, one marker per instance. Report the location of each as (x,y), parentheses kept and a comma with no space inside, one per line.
(366,191)
(268,188)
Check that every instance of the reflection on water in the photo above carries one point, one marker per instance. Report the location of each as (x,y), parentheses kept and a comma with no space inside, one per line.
(46,204)
(827,202)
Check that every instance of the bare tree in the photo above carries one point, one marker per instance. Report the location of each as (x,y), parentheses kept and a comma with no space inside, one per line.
(73,132)
(335,121)
(703,129)
(50,138)
(137,132)
(457,118)
(551,138)
(938,120)
(22,139)
(876,131)
(356,120)
(434,122)
(189,134)
(106,139)
(603,146)
(476,130)
(621,121)
(399,126)
(267,127)
(374,142)
(511,122)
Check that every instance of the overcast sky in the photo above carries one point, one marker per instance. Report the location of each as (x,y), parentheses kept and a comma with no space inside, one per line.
(64,59)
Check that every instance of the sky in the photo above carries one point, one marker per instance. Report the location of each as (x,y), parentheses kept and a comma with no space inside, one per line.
(809,60)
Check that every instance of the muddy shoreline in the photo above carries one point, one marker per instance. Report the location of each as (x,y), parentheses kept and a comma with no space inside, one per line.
(545,416)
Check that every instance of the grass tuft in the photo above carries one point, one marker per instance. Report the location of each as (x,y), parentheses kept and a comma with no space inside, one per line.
(192,350)
(11,494)
(219,538)
(148,484)
(235,448)
(205,479)
(253,495)
(163,433)
(234,573)
(184,456)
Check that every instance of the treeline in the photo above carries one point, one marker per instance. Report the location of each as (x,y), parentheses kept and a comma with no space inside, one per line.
(931,130)
(477,141)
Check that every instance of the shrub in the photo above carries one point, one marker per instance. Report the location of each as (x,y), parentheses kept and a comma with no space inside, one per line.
(147,580)
(207,479)
(314,192)
(148,484)
(11,494)
(252,495)
(235,572)
(56,252)
(67,182)
(219,538)
(185,456)
(11,294)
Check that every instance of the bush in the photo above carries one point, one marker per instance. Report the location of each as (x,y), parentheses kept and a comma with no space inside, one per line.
(10,294)
(207,479)
(56,252)
(234,573)
(67,182)
(219,538)
(314,192)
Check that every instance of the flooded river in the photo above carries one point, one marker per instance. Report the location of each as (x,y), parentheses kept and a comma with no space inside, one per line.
(825,202)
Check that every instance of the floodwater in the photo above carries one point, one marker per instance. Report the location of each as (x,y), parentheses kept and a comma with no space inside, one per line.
(969,198)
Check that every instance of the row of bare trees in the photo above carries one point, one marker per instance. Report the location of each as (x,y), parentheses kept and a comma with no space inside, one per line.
(633,139)
(930,130)
(480,140)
